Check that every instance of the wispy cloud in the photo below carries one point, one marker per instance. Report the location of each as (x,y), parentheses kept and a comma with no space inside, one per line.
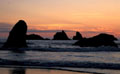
(93,32)
(5,27)
(49,31)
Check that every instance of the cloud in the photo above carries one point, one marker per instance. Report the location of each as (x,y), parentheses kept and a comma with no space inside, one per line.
(5,27)
(49,31)
(50,21)
(67,22)
(92,32)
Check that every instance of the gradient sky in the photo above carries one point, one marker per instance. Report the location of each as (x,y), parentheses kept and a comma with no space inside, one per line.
(90,17)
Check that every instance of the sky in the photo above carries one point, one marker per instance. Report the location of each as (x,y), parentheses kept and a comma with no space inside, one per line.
(45,17)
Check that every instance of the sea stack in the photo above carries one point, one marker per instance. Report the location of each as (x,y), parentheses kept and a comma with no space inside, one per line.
(78,36)
(98,40)
(17,36)
(61,36)
(34,37)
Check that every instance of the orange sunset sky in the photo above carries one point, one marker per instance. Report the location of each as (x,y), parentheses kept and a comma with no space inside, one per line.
(45,17)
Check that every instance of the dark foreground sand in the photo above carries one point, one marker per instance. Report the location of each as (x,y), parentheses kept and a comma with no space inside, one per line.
(36,71)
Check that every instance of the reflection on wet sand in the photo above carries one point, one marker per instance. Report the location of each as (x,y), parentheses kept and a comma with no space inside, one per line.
(35,71)
(18,71)
(45,71)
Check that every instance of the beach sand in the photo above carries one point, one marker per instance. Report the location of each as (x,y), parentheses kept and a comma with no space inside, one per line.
(36,71)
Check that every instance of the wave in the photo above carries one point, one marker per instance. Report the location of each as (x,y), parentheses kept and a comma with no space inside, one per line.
(60,46)
(49,64)
(83,49)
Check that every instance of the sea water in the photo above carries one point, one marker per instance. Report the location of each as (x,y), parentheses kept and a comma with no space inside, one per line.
(61,54)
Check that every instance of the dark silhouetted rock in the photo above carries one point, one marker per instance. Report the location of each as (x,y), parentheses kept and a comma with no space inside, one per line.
(99,40)
(47,39)
(17,36)
(78,36)
(34,37)
(61,36)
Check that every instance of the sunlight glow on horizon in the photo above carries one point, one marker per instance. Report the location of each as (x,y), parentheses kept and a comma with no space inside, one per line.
(85,16)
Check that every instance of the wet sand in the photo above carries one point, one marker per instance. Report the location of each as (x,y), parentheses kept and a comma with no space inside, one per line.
(36,71)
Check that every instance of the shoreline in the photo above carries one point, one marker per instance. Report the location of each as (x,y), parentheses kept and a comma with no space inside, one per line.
(46,68)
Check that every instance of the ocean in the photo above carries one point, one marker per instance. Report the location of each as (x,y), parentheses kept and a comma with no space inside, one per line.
(61,54)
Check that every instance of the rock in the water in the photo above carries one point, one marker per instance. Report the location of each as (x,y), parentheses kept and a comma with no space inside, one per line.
(61,36)
(78,36)
(46,39)
(99,40)
(17,36)
(34,37)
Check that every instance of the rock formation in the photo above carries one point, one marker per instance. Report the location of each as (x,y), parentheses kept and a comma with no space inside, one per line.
(99,40)
(46,39)
(78,36)
(34,37)
(61,36)
(17,36)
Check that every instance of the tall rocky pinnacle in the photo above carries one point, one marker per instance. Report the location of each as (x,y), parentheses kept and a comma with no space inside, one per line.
(17,36)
